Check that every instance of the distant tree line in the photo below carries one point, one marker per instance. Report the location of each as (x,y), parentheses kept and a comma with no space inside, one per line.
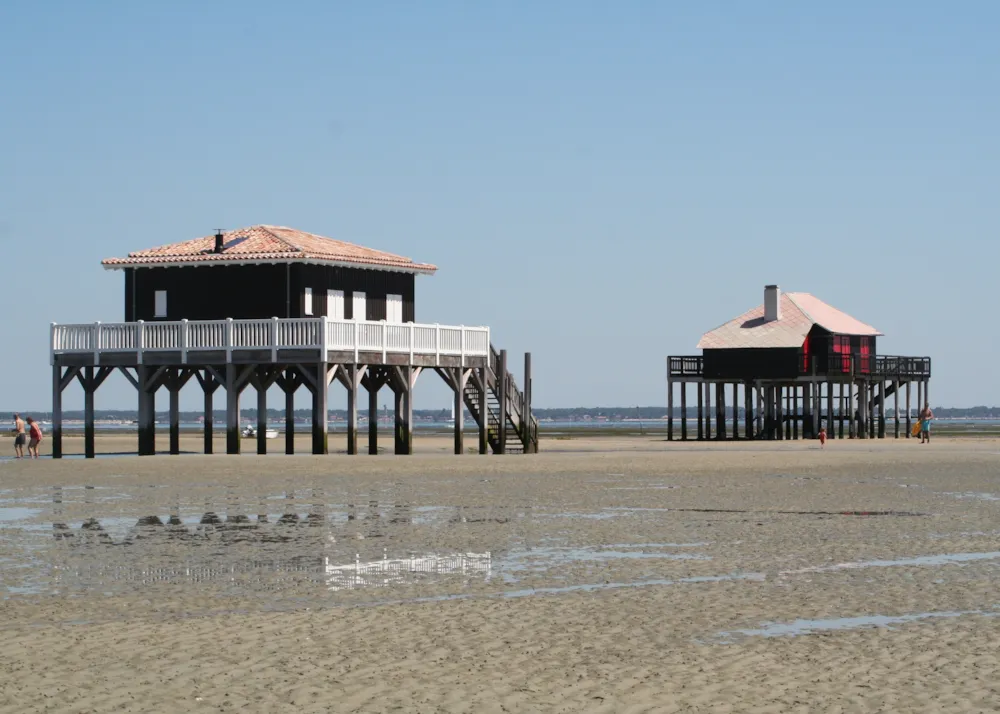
(556,414)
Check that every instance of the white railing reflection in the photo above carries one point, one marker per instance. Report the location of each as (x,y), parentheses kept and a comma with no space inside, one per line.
(393,571)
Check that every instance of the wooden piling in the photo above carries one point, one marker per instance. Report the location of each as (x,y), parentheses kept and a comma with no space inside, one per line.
(502,399)
(57,391)
(909,410)
(147,410)
(670,405)
(484,412)
(232,409)
(701,415)
(684,408)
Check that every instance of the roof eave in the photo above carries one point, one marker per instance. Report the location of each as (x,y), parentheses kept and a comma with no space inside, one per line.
(416,269)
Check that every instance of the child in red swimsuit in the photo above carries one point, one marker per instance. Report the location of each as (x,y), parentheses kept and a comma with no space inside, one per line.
(822,437)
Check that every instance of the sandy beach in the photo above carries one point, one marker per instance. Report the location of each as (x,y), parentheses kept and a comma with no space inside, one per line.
(618,574)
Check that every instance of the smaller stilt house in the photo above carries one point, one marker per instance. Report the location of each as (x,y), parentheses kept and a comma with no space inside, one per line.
(269,305)
(792,365)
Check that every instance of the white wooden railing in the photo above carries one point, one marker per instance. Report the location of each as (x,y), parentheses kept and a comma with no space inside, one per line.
(320,333)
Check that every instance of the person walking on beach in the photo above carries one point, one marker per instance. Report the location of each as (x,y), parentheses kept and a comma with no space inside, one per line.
(19,437)
(926,416)
(35,434)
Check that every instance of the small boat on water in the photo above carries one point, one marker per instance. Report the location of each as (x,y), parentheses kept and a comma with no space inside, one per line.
(250,432)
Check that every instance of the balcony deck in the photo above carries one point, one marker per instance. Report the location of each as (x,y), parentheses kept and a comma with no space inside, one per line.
(834,366)
(274,341)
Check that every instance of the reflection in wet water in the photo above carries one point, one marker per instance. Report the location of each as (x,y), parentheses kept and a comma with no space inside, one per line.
(808,627)
(396,571)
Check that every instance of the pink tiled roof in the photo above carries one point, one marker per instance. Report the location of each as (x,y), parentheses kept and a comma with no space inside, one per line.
(799,312)
(266,244)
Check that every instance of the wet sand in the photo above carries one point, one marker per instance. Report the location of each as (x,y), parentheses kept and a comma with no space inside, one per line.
(612,574)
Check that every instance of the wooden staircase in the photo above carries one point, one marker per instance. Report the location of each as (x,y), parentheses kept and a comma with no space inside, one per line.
(518,435)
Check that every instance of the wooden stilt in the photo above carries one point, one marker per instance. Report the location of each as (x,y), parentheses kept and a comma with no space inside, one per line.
(146,377)
(502,399)
(374,384)
(779,411)
(759,411)
(320,418)
(353,376)
(852,413)
(528,438)
(720,411)
(403,377)
(684,408)
(670,405)
(484,412)
(174,416)
(461,380)
(896,385)
(209,384)
(57,391)
(232,409)
(289,384)
(909,411)
(701,411)
(708,410)
(736,412)
(87,380)
(748,411)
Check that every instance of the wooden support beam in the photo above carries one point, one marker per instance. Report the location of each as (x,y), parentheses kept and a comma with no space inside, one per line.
(405,379)
(795,411)
(147,409)
(461,378)
(86,379)
(232,408)
(353,375)
(57,390)
(484,410)
(670,404)
(720,410)
(708,410)
(909,410)
(684,408)
(736,412)
(173,383)
(895,407)
(528,438)
(748,426)
(701,411)
(373,380)
(501,376)
(320,420)
(208,386)
(289,382)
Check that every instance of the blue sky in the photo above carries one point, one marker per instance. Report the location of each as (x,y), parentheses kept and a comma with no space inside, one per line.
(598,182)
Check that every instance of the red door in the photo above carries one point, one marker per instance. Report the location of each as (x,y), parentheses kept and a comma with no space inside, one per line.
(866,350)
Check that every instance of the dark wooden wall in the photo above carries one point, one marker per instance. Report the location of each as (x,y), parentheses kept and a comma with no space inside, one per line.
(821,345)
(260,291)
(750,363)
(375,284)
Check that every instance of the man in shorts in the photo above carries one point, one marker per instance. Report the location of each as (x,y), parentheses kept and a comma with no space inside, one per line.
(19,436)
(926,416)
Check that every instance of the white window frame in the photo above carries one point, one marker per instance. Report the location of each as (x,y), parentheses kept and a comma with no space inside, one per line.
(359,298)
(307,307)
(335,304)
(394,304)
(160,303)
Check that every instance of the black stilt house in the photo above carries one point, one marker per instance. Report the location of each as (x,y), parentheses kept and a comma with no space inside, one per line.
(268,271)
(269,305)
(790,356)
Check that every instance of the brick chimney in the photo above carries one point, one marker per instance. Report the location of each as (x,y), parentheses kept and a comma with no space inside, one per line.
(772,303)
